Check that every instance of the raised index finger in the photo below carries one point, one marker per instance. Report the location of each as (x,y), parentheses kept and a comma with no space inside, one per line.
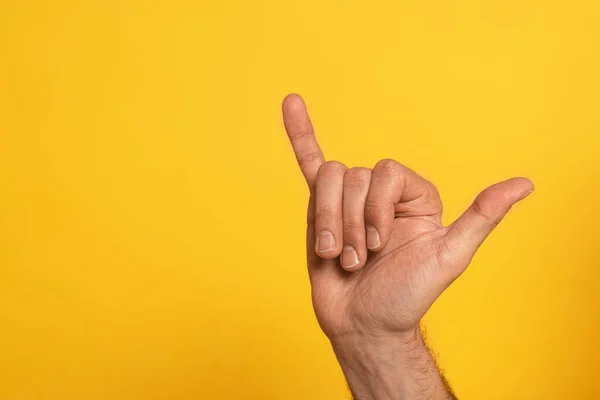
(300,131)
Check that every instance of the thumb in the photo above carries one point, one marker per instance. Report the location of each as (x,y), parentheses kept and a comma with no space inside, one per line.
(468,232)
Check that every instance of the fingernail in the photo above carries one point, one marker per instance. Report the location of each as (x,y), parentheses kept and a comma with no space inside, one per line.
(373,241)
(325,241)
(349,257)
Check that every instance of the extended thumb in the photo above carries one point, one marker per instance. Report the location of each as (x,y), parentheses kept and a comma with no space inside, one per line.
(468,232)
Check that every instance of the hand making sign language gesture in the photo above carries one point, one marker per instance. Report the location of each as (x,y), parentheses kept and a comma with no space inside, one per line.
(379,256)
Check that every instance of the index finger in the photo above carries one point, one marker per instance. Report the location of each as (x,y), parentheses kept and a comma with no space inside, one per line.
(302,136)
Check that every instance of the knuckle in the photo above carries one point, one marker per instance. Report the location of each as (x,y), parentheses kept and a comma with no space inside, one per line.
(331,167)
(387,163)
(479,209)
(387,167)
(358,176)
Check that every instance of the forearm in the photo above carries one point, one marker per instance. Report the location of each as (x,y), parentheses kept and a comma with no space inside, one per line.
(391,368)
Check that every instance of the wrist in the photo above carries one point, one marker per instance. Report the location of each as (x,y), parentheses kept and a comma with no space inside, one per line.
(390,367)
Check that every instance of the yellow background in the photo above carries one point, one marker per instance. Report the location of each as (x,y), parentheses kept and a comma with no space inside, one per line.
(152,215)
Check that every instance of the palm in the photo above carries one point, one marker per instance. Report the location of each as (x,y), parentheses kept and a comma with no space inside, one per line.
(400,276)
(388,288)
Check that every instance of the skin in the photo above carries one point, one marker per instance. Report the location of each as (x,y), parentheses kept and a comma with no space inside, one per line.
(379,256)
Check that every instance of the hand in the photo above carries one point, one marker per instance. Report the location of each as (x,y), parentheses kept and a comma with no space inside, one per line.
(378,254)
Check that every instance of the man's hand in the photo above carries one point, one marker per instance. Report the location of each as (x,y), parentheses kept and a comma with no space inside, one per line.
(379,256)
